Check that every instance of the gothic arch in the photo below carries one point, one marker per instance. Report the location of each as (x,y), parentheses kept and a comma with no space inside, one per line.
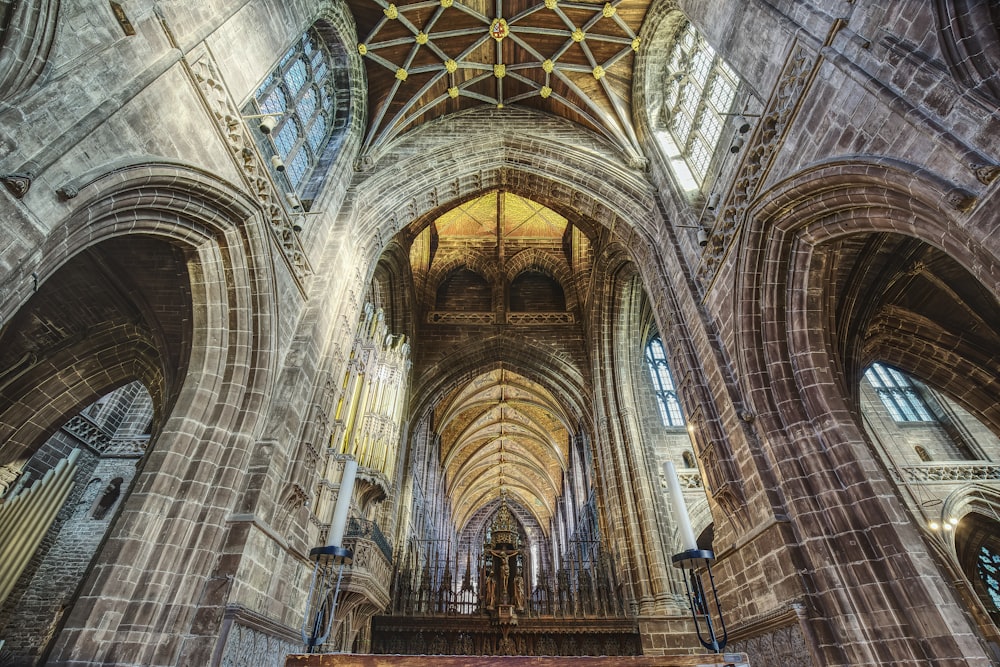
(590,191)
(28,31)
(797,376)
(472,260)
(967,30)
(216,411)
(533,258)
(828,203)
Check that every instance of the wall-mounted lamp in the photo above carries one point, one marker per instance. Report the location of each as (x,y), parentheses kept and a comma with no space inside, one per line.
(300,217)
(713,201)
(268,121)
(742,121)
(702,234)
(279,165)
(737,145)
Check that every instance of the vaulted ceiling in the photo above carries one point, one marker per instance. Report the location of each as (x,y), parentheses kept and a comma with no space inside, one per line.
(502,434)
(427,58)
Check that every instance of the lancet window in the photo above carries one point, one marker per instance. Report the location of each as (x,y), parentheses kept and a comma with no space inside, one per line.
(898,394)
(698,90)
(663,383)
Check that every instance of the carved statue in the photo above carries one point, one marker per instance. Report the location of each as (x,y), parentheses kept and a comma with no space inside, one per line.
(519,592)
(489,591)
(504,557)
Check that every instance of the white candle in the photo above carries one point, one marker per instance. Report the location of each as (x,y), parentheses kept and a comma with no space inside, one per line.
(339,523)
(688,542)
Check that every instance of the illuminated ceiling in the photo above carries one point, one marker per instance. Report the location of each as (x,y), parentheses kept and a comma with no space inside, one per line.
(502,433)
(428,58)
(519,217)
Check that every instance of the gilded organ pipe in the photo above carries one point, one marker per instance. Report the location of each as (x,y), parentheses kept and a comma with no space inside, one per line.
(25,518)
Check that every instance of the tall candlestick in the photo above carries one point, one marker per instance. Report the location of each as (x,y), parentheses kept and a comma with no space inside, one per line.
(339,523)
(688,541)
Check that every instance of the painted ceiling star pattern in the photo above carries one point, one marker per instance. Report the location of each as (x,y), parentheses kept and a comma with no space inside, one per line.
(428,58)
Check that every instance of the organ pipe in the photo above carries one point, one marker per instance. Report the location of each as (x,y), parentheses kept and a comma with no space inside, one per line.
(373,394)
(26,517)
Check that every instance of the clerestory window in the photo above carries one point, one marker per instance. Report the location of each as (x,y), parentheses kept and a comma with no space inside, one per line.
(663,383)
(698,90)
(898,394)
(301,90)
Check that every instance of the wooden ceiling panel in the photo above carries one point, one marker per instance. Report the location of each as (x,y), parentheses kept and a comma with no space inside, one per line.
(573,59)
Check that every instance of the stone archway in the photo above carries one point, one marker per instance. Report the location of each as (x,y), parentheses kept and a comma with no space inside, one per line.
(798,369)
(159,557)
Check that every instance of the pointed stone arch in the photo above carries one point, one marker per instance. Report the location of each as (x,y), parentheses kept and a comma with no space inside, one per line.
(797,368)
(215,414)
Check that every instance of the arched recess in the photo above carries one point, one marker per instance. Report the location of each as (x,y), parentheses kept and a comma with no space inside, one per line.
(27,31)
(968,33)
(117,311)
(447,266)
(534,290)
(194,474)
(543,263)
(464,289)
(978,531)
(803,323)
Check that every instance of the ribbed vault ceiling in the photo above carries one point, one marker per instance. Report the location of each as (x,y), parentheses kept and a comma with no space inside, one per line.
(502,433)
(427,58)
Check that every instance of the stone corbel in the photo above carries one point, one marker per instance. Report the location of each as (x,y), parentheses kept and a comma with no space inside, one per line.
(17,184)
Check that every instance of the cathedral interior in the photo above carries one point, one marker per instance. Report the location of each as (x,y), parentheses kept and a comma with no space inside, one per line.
(445,327)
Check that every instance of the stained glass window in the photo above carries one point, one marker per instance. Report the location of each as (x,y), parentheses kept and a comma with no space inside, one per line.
(663,383)
(989,572)
(301,90)
(699,89)
(898,394)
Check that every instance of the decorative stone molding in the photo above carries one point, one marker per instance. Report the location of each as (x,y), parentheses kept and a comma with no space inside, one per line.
(964,471)
(540,318)
(762,148)
(689,479)
(251,642)
(29,28)
(90,434)
(442,317)
(249,162)
(784,646)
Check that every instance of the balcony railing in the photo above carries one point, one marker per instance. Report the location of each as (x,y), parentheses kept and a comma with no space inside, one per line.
(370,531)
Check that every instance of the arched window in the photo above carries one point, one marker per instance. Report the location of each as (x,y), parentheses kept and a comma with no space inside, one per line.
(301,90)
(898,394)
(698,90)
(663,383)
(988,567)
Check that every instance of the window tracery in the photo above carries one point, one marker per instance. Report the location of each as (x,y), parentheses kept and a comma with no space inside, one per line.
(301,90)
(699,89)
(663,383)
(898,394)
